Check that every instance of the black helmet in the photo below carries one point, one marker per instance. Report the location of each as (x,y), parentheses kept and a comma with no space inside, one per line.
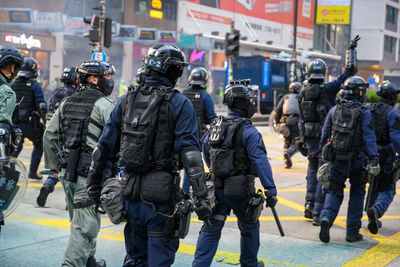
(99,69)
(316,69)
(10,55)
(29,68)
(199,77)
(69,76)
(168,60)
(387,89)
(354,87)
(294,87)
(239,97)
(140,76)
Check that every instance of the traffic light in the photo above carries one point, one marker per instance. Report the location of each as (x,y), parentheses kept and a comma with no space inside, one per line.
(107,32)
(232,43)
(94,22)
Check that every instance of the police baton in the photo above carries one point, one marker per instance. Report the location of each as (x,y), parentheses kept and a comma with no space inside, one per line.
(371,180)
(278,222)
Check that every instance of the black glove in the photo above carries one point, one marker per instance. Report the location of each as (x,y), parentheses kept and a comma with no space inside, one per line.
(202,209)
(270,199)
(300,146)
(354,42)
(373,167)
(94,193)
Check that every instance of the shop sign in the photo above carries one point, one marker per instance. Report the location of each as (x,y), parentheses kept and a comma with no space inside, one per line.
(127,32)
(51,20)
(167,37)
(147,34)
(333,12)
(29,42)
(99,55)
(15,16)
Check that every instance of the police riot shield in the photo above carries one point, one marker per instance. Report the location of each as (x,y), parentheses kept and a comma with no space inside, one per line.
(13,183)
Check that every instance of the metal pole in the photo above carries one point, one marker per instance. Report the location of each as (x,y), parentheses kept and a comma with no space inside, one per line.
(230,70)
(101,23)
(294,55)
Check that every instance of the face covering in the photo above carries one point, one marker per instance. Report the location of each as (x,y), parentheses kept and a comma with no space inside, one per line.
(106,85)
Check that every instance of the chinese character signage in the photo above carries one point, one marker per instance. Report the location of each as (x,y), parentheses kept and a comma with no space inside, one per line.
(333,12)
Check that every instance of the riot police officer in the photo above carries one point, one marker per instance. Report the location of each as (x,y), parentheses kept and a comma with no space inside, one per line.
(287,112)
(70,80)
(236,154)
(347,132)
(387,130)
(11,60)
(30,110)
(202,104)
(153,129)
(201,100)
(316,98)
(69,140)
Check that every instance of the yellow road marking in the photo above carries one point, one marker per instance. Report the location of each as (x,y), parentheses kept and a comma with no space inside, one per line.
(40,185)
(273,140)
(295,161)
(290,204)
(270,134)
(221,256)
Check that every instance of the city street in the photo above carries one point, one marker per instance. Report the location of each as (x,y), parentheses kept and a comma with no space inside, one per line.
(34,236)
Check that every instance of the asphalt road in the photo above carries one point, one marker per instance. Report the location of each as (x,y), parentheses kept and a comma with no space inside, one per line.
(35,236)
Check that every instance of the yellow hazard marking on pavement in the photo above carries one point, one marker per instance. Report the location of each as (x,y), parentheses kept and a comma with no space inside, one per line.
(27,163)
(381,254)
(273,140)
(270,134)
(290,204)
(295,161)
(221,256)
(40,185)
(289,170)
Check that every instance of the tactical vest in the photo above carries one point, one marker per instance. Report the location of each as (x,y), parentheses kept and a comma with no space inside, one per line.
(346,133)
(75,119)
(194,96)
(228,156)
(147,138)
(380,113)
(314,103)
(56,98)
(291,104)
(24,91)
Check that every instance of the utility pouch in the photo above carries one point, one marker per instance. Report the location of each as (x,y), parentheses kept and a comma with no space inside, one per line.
(221,161)
(22,115)
(131,187)
(140,143)
(72,163)
(84,164)
(283,129)
(254,208)
(308,108)
(112,201)
(182,215)
(157,186)
(236,186)
(312,130)
(327,152)
(323,175)
(170,227)
(292,120)
(321,112)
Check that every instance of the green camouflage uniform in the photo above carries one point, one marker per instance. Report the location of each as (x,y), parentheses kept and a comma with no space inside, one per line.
(7,101)
(85,222)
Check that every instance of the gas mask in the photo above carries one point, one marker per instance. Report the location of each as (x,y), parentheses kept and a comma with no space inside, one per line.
(106,85)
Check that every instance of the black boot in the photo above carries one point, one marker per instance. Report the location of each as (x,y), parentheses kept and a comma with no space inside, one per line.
(44,193)
(315,220)
(260,264)
(34,175)
(308,211)
(373,223)
(354,238)
(288,161)
(324,232)
(92,262)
